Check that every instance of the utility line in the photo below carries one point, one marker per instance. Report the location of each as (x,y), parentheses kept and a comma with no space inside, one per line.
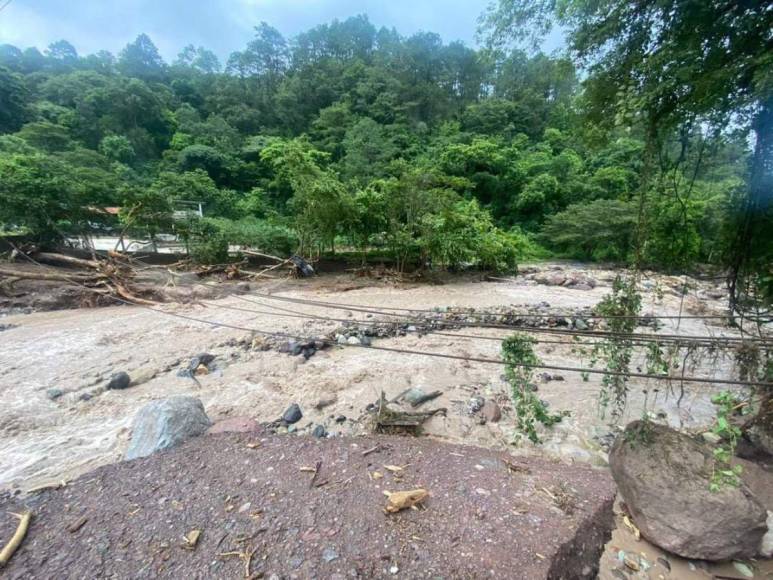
(422,331)
(425,353)
(534,315)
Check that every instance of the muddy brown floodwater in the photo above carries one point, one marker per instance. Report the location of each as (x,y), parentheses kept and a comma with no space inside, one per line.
(57,421)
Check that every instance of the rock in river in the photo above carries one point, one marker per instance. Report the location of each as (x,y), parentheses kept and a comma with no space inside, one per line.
(292,415)
(664,476)
(166,423)
(118,381)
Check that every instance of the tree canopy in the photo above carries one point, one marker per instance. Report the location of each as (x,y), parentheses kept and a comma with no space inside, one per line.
(353,136)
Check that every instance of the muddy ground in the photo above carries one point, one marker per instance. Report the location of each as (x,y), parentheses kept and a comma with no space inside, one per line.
(482,518)
(58,421)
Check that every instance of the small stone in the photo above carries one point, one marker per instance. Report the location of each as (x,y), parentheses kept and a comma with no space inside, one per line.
(475,404)
(85,397)
(119,381)
(54,393)
(353,341)
(580,324)
(711,437)
(394,570)
(244,507)
(292,415)
(341,419)
(491,411)
(743,569)
(341,339)
(319,432)
(329,554)
(296,562)
(631,561)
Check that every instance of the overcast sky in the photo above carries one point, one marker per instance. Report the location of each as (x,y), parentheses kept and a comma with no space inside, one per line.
(221,25)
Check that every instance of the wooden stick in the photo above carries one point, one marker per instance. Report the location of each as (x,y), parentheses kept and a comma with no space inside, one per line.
(18,536)
(371,450)
(254,253)
(63,259)
(46,276)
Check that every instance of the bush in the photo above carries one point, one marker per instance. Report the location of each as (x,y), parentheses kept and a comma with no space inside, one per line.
(599,230)
(463,234)
(263,235)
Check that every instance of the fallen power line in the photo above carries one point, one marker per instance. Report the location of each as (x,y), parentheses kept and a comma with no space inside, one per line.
(590,333)
(287,313)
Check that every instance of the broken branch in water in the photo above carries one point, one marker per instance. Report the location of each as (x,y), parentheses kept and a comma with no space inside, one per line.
(16,539)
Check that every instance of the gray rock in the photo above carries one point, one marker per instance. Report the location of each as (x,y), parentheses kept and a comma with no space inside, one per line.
(353,341)
(475,404)
(54,393)
(580,324)
(491,412)
(85,397)
(319,432)
(292,415)
(119,381)
(329,554)
(166,423)
(341,419)
(341,339)
(664,478)
(762,438)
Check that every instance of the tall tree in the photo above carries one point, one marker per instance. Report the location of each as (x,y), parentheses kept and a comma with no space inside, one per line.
(668,63)
(141,59)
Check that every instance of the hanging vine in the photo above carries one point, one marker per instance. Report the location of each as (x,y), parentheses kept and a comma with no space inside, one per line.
(517,351)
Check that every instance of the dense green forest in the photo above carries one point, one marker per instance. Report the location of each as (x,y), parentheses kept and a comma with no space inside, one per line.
(350,136)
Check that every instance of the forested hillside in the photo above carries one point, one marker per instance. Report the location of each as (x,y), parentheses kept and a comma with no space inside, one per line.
(350,136)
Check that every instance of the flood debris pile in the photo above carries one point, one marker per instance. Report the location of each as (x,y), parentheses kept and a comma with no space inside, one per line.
(388,419)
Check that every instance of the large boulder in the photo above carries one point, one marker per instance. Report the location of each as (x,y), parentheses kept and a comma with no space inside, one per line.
(166,423)
(663,476)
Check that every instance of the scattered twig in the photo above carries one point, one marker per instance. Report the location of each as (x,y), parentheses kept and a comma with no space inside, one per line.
(16,539)
(316,474)
(373,449)
(47,486)
(77,525)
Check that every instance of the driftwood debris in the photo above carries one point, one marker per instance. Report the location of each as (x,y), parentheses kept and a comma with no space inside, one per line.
(111,275)
(17,538)
(389,420)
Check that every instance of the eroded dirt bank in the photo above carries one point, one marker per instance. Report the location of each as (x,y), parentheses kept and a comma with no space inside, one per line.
(488,514)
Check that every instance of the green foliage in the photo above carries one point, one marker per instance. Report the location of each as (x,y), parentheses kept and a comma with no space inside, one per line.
(600,229)
(723,473)
(39,194)
(207,242)
(436,154)
(517,351)
(463,234)
(620,310)
(261,235)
